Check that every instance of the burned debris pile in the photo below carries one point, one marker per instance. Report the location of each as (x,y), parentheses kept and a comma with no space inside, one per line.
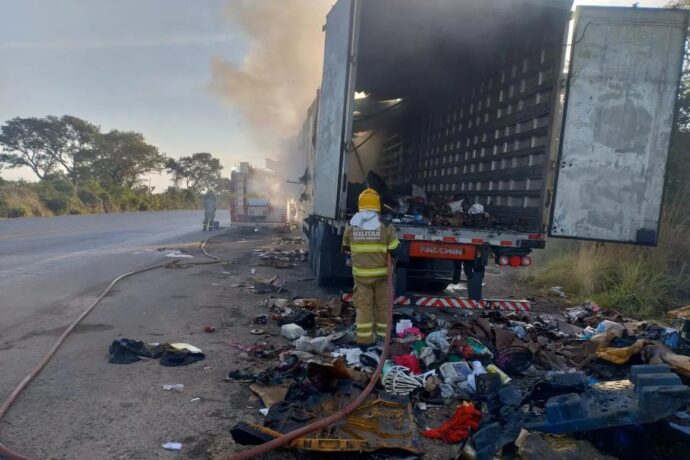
(486,381)
(411,205)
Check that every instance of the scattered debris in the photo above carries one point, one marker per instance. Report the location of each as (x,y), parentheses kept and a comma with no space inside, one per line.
(264,286)
(478,377)
(315,345)
(397,380)
(281,258)
(558,290)
(456,429)
(260,319)
(173,387)
(172,446)
(185,346)
(178,254)
(302,318)
(292,331)
(547,373)
(352,355)
(127,351)
(269,394)
(549,447)
(174,358)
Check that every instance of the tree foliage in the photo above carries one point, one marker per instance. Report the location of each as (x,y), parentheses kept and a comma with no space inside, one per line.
(83,170)
(76,148)
(122,157)
(200,171)
(29,142)
(76,139)
(223,184)
(678,167)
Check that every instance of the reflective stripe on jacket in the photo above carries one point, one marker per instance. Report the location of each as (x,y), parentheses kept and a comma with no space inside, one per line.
(369,249)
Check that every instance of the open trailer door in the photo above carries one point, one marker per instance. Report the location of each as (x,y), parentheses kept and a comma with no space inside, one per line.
(625,68)
(335,107)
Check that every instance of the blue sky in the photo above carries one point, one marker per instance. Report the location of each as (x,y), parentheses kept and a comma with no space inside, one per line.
(140,65)
(126,64)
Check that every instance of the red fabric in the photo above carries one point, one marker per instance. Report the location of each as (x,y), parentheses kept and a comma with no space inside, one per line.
(408,361)
(466,351)
(458,426)
(411,330)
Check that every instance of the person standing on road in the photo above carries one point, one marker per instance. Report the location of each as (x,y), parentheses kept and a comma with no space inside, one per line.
(209,210)
(368,241)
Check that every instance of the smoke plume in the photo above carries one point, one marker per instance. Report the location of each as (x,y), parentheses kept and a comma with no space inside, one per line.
(275,83)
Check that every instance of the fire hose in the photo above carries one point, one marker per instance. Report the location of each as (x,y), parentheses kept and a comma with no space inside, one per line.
(9,454)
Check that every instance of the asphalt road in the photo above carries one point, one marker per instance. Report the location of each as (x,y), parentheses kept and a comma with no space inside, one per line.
(50,264)
(83,407)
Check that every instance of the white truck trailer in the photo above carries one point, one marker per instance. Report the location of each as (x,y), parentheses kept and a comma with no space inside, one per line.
(496,103)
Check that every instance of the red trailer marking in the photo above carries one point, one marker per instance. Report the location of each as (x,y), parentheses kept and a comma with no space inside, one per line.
(430,250)
(457,302)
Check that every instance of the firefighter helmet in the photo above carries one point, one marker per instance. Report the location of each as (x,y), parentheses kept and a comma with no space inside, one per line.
(369,200)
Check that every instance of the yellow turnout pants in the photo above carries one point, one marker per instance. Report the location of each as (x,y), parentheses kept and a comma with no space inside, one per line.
(371,298)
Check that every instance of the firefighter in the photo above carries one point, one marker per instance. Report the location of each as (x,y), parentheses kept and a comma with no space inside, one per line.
(368,241)
(209,210)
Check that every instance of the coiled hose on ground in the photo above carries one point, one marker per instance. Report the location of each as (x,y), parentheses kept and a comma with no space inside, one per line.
(9,454)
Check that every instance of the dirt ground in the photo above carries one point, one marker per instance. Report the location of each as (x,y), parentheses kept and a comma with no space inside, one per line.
(83,407)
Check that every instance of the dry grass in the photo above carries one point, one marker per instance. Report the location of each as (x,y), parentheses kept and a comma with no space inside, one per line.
(642,282)
(20,199)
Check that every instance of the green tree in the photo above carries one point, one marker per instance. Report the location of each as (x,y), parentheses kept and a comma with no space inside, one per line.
(201,171)
(122,157)
(29,142)
(48,145)
(678,168)
(76,139)
(223,184)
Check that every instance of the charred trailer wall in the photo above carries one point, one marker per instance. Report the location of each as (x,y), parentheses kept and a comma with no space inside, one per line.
(479,102)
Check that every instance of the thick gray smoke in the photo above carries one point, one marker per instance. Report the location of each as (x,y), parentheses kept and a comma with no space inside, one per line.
(277,80)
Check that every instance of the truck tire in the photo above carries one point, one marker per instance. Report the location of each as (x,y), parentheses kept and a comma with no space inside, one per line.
(311,248)
(474,283)
(457,272)
(322,258)
(400,281)
(436,287)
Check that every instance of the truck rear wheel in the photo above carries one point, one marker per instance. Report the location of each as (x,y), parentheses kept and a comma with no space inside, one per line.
(474,282)
(325,256)
(318,265)
(311,247)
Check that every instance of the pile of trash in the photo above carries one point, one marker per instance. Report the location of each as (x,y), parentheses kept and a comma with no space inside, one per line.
(263,286)
(410,204)
(483,380)
(128,351)
(281,258)
(289,240)
(324,316)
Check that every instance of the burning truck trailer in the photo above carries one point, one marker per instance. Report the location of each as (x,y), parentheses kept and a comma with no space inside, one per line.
(484,125)
(257,197)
